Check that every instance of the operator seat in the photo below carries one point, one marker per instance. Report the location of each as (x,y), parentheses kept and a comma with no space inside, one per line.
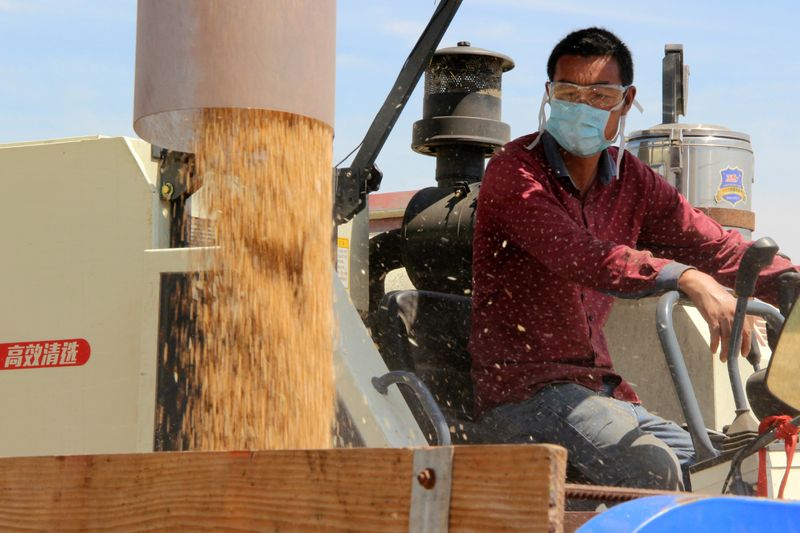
(427,333)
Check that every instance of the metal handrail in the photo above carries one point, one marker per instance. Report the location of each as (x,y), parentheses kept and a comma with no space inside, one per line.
(747,307)
(680,375)
(769,313)
(426,400)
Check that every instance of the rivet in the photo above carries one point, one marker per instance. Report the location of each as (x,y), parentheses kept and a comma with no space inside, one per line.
(427,478)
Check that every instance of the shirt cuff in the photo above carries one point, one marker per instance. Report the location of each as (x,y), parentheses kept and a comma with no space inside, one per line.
(667,278)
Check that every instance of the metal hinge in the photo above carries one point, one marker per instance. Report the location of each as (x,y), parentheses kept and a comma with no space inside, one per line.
(432,478)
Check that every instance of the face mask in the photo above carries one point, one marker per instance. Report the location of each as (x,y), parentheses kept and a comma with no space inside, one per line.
(543,123)
(579,128)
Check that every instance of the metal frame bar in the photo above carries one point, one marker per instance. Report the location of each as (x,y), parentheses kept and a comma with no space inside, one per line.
(680,375)
(429,405)
(362,177)
(431,489)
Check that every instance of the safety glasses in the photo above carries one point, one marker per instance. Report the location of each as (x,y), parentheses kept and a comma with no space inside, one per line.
(601,96)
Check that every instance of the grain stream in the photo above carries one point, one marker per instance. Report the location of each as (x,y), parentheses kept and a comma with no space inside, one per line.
(262,374)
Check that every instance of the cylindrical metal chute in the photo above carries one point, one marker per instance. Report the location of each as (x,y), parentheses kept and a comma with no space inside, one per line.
(202,54)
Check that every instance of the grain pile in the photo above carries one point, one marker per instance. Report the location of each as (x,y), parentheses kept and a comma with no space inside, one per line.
(262,374)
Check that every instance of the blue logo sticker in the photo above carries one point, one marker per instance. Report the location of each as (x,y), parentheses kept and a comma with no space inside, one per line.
(731,186)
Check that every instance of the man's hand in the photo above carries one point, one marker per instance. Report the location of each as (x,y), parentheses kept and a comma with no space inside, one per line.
(717,306)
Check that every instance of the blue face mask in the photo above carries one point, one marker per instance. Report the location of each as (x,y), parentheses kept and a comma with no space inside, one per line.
(579,128)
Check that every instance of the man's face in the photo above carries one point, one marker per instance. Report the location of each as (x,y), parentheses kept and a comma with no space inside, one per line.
(595,70)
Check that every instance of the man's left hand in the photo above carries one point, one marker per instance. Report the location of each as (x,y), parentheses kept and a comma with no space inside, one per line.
(718,307)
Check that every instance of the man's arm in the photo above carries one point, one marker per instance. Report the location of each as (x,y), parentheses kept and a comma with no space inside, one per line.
(674,229)
(535,220)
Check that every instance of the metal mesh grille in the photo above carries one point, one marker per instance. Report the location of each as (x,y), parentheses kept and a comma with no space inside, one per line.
(463,74)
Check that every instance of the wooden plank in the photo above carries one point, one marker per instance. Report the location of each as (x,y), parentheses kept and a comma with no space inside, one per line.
(503,488)
(575,519)
(495,488)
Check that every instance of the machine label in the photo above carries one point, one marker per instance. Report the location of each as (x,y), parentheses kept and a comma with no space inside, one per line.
(731,186)
(44,354)
(343,261)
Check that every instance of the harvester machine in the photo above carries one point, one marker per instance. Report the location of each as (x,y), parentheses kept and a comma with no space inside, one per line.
(104,235)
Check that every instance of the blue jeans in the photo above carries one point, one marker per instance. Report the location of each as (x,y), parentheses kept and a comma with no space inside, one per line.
(609,442)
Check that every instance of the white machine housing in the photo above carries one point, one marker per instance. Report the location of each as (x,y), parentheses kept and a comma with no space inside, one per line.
(85,232)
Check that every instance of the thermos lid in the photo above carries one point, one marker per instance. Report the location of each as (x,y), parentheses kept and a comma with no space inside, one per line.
(689,130)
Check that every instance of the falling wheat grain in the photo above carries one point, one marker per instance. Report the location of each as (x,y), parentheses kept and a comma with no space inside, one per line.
(262,375)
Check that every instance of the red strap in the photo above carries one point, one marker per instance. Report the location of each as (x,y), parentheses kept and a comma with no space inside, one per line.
(788,434)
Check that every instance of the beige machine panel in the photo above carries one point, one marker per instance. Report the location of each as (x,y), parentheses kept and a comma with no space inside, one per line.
(75,217)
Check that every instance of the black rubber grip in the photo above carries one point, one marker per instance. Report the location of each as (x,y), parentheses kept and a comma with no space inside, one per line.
(759,255)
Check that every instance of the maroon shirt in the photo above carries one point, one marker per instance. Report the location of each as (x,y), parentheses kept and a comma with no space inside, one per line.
(545,262)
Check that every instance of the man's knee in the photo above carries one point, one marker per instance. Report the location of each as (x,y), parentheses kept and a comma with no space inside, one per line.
(644,463)
(649,464)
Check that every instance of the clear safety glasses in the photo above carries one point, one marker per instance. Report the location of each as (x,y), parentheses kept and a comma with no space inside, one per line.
(601,96)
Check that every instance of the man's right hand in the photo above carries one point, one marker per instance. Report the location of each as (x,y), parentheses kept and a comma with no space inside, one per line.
(718,307)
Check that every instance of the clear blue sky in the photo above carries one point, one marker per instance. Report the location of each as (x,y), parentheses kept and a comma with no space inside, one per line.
(66,68)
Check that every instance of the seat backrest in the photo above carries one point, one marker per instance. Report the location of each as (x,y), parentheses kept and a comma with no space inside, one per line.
(427,333)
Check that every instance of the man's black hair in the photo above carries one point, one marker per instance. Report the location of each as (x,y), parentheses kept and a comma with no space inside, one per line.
(593,42)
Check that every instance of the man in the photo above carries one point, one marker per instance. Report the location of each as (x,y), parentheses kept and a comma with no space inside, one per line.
(565,221)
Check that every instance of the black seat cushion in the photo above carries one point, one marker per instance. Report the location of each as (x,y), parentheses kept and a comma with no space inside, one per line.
(427,333)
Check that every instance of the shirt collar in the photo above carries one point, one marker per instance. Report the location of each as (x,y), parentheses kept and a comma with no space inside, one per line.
(606,168)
